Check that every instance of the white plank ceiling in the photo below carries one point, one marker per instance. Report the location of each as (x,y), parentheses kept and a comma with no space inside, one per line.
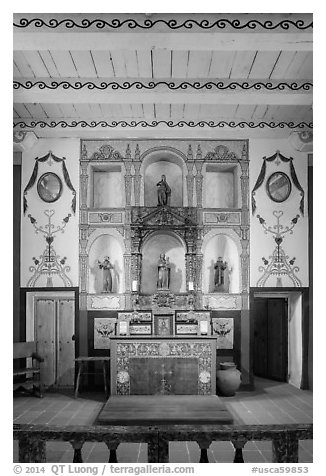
(143,57)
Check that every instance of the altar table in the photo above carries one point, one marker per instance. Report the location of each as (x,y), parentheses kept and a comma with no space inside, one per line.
(173,365)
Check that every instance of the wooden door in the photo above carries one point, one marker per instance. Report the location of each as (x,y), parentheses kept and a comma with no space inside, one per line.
(45,317)
(65,342)
(271,338)
(54,335)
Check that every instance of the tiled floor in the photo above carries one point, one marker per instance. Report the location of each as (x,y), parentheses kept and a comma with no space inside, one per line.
(270,403)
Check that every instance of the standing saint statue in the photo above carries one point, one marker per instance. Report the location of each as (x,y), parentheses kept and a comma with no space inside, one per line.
(163,192)
(163,271)
(106,266)
(219,276)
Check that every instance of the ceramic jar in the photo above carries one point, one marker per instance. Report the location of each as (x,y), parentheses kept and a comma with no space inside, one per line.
(228,379)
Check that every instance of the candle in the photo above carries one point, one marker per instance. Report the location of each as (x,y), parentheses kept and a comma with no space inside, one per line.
(191,286)
(123,328)
(203,326)
(134,285)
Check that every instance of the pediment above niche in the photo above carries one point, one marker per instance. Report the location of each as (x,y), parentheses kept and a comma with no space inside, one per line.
(106,152)
(163,216)
(221,153)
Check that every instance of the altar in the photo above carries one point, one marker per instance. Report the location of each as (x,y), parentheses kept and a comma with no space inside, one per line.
(159,365)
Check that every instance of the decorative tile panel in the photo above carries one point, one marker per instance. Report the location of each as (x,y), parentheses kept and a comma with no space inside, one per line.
(222,218)
(105,217)
(222,301)
(111,301)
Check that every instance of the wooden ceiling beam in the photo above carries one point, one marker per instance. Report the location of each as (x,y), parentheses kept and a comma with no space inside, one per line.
(138,91)
(181,41)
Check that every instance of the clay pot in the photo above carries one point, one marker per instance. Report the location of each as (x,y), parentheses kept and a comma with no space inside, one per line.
(228,379)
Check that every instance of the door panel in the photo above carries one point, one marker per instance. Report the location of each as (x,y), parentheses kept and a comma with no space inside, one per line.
(270,345)
(65,346)
(260,338)
(277,338)
(45,311)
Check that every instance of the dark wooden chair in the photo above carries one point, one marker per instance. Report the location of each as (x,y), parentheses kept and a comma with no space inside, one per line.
(28,378)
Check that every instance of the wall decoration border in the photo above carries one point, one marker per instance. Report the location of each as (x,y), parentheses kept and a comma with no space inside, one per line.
(172,24)
(132,124)
(172,85)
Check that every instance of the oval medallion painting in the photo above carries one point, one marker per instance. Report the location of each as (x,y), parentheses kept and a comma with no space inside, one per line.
(49,187)
(278,187)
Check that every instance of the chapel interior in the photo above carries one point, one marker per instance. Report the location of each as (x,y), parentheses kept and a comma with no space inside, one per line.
(162,217)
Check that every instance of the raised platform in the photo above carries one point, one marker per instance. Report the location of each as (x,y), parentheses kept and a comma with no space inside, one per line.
(164,410)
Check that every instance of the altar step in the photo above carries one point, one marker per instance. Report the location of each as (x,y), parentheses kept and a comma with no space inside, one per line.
(164,410)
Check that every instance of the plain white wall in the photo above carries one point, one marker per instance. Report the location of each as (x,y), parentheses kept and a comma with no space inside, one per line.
(107,189)
(219,190)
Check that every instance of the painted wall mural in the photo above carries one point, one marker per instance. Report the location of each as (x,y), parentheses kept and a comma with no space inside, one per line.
(223,329)
(49,234)
(279,224)
(279,263)
(104,328)
(49,188)
(49,262)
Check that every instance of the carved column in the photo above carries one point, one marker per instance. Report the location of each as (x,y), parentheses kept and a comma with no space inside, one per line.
(83,272)
(127,266)
(128,182)
(83,191)
(244,180)
(136,256)
(137,182)
(190,270)
(190,183)
(83,265)
(245,259)
(199,278)
(136,262)
(199,182)
(83,183)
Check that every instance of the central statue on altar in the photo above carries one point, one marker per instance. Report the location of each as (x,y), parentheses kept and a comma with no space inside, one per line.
(163,192)
(163,272)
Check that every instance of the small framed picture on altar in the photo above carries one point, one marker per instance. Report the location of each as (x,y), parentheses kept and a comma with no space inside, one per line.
(163,325)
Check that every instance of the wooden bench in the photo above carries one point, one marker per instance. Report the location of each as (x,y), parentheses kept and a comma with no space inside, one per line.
(27,377)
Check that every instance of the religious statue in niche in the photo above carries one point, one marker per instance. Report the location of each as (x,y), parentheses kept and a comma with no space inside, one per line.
(220,284)
(106,266)
(163,270)
(163,192)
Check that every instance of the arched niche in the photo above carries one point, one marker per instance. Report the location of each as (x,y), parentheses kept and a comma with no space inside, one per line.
(174,248)
(164,161)
(105,245)
(224,244)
